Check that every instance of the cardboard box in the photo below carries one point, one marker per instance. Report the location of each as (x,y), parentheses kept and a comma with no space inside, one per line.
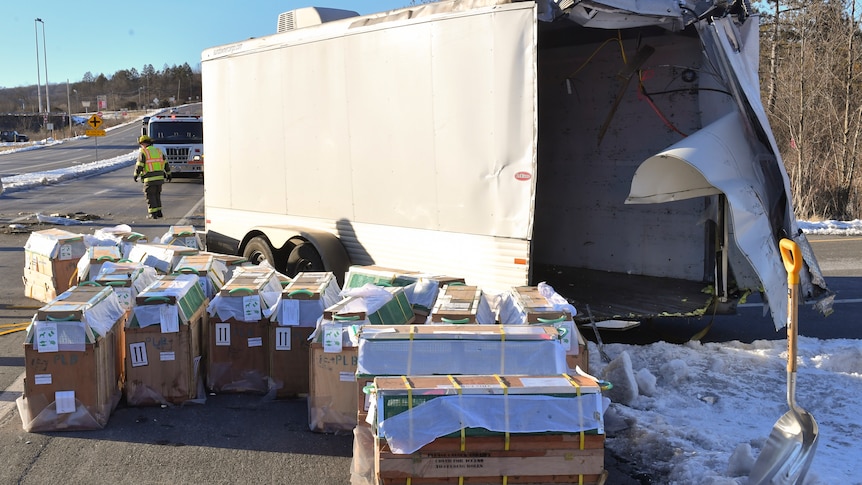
(289,354)
(163,368)
(457,304)
(332,390)
(51,263)
(73,365)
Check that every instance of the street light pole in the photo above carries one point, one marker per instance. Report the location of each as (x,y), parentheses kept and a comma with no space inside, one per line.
(38,69)
(45,58)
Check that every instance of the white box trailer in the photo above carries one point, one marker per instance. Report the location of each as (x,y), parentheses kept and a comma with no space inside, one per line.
(616,149)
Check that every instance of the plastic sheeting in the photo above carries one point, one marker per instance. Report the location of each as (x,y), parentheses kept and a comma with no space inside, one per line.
(227,307)
(409,431)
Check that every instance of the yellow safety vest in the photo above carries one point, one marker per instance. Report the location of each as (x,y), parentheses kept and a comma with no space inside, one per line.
(155,167)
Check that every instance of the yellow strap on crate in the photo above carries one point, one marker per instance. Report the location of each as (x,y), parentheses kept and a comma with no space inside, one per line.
(506,413)
(577,387)
(409,387)
(580,416)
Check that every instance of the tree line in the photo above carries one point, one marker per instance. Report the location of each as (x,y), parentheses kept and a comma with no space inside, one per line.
(126,89)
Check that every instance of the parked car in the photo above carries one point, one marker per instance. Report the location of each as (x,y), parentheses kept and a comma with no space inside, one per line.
(13,136)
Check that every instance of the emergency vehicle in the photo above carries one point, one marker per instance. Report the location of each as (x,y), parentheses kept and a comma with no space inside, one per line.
(181,138)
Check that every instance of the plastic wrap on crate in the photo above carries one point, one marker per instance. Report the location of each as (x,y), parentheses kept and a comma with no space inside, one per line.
(306,313)
(362,463)
(460,349)
(182,236)
(540,403)
(97,320)
(120,235)
(485,314)
(215,271)
(422,293)
(163,257)
(127,280)
(91,262)
(227,307)
(166,314)
(509,312)
(56,244)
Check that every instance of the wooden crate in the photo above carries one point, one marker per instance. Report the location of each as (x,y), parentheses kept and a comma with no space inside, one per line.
(530,458)
(164,367)
(289,354)
(332,390)
(457,304)
(90,380)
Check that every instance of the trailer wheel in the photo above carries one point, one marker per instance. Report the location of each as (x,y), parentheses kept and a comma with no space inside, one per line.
(257,251)
(304,257)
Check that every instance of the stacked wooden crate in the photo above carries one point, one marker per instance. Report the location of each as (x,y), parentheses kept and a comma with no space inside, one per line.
(163,342)
(73,370)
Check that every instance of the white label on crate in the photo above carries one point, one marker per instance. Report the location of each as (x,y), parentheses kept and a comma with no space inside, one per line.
(65,401)
(347,376)
(169,318)
(165,356)
(46,337)
(282,338)
(545,382)
(138,354)
(124,294)
(255,342)
(332,337)
(65,252)
(454,305)
(222,334)
(42,379)
(289,312)
(251,308)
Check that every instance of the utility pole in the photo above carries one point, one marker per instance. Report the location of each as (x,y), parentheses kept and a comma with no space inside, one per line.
(38,68)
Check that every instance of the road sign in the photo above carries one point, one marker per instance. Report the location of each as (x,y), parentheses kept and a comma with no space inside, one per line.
(95,121)
(94,132)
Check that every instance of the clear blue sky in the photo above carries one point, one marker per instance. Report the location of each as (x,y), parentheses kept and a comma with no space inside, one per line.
(104,37)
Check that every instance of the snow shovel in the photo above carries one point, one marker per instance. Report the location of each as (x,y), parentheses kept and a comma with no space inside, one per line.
(790,447)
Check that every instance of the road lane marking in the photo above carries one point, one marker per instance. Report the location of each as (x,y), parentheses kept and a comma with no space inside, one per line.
(9,396)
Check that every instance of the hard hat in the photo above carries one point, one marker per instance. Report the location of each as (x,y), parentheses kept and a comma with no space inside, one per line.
(144,138)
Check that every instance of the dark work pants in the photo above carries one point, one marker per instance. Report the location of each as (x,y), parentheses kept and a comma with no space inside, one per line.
(153,191)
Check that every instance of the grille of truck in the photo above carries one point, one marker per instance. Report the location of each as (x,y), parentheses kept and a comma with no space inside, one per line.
(177,154)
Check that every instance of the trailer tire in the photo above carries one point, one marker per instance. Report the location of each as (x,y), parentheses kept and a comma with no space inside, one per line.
(304,257)
(258,250)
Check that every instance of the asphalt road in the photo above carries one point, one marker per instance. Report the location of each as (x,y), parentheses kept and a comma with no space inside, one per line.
(246,438)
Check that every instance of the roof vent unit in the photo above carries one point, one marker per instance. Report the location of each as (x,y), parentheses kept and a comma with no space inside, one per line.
(308,16)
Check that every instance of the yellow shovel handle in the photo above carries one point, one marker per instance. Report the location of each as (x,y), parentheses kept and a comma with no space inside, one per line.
(792,260)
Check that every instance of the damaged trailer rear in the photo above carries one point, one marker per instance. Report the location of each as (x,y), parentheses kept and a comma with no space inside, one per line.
(616,149)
